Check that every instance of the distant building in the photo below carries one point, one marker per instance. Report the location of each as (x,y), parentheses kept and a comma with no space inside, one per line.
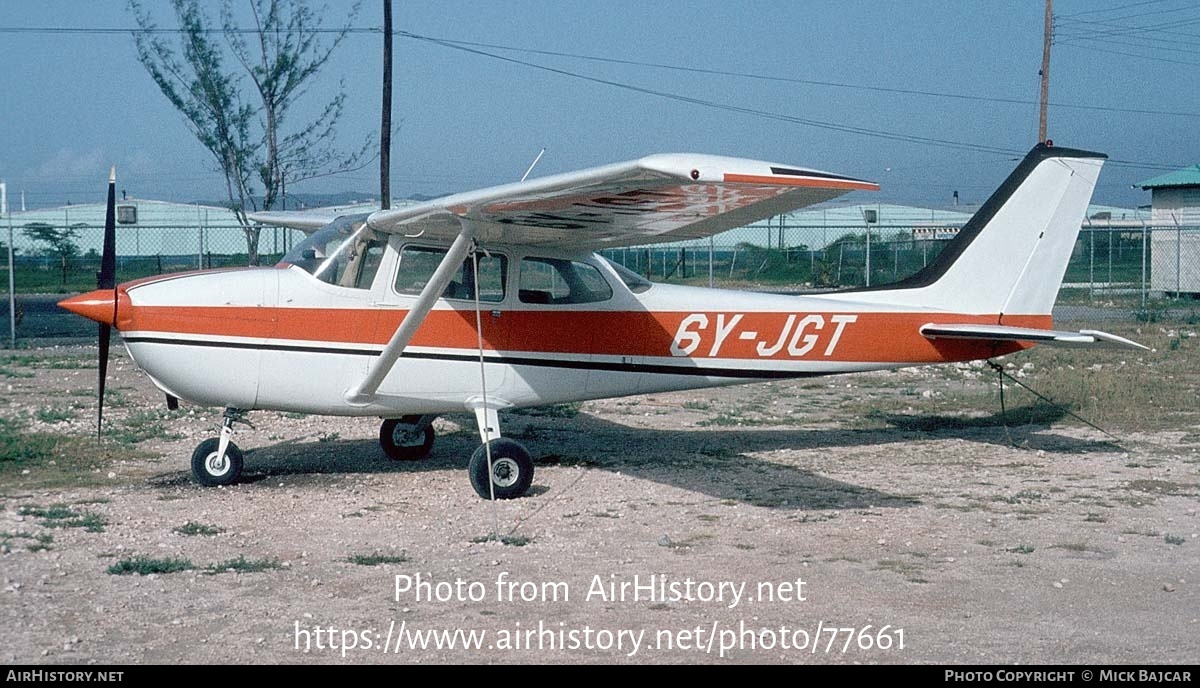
(1175,255)
(1175,197)
(144,227)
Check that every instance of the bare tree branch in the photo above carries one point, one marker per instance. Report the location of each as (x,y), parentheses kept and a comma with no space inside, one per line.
(244,133)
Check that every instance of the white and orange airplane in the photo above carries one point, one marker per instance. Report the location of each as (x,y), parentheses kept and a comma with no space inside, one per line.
(495,299)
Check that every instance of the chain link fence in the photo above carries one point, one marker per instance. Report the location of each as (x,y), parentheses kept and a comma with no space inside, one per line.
(1124,272)
(1134,271)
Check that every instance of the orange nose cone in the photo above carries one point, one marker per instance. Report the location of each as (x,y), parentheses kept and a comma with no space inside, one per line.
(99,305)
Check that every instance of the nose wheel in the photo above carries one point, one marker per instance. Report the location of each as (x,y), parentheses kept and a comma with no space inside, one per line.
(211,468)
(217,460)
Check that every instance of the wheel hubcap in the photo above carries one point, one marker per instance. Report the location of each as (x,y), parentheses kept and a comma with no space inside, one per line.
(407,437)
(505,472)
(216,464)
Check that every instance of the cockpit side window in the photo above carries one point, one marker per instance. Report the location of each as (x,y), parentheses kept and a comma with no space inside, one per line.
(418,263)
(558,281)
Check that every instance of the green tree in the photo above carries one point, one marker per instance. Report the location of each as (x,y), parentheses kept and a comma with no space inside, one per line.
(246,130)
(58,241)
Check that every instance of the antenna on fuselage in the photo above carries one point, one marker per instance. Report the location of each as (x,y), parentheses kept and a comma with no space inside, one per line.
(532,164)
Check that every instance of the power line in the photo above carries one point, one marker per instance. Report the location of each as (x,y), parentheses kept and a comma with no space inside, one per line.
(821,124)
(1115,9)
(1127,54)
(864,131)
(656,65)
(812,82)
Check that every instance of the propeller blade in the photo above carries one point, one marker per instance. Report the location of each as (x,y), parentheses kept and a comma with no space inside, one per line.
(107,279)
(105,335)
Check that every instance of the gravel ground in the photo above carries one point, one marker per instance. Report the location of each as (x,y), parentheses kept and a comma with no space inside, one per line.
(767,514)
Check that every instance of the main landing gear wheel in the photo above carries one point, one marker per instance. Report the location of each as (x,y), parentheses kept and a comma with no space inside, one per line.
(512,469)
(211,469)
(406,439)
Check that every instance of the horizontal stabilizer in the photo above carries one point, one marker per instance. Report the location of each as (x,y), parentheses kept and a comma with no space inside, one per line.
(1004,333)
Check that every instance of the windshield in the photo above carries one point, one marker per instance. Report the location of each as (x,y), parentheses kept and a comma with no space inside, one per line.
(345,252)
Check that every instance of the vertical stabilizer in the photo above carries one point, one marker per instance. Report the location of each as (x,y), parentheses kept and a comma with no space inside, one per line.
(1010,257)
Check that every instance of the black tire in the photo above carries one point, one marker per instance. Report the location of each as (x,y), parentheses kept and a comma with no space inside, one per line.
(512,469)
(208,471)
(400,443)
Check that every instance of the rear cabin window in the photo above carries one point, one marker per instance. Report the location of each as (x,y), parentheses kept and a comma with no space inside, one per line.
(418,263)
(557,281)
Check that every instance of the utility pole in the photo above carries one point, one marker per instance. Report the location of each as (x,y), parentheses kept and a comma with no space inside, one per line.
(1045,73)
(385,120)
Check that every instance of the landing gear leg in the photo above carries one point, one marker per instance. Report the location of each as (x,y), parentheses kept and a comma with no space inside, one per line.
(217,460)
(500,468)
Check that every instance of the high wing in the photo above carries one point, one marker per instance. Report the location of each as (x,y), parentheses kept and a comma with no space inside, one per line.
(307,221)
(656,199)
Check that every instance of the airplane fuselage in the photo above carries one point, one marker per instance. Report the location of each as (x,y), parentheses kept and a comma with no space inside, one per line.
(278,338)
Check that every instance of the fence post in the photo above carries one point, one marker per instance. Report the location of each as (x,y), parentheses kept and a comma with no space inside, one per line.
(1145,250)
(1178,257)
(1091,264)
(710,261)
(12,295)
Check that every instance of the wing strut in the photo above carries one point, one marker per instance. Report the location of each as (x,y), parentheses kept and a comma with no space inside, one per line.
(364,392)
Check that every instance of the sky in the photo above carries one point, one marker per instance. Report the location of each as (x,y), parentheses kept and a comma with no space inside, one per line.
(72,104)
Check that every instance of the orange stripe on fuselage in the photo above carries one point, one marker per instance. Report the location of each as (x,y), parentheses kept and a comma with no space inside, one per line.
(870,337)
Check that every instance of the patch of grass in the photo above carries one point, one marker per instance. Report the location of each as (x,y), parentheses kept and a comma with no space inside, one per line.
(909,570)
(1078,547)
(193,528)
(1020,549)
(142,426)
(328,437)
(1174,539)
(242,565)
(53,512)
(146,565)
(1093,517)
(92,523)
(54,414)
(18,447)
(512,540)
(377,559)
(37,543)
(63,516)
(5,371)
(693,405)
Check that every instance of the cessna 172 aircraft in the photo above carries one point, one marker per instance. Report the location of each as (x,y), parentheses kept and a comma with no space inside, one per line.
(494,299)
